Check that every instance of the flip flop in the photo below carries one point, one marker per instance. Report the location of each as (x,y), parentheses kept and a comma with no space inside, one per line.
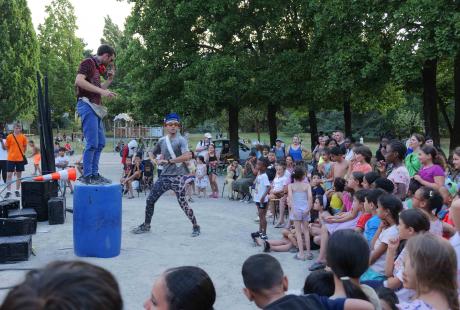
(299,258)
(317,266)
(279,225)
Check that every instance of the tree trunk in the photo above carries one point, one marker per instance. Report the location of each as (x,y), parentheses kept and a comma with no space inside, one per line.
(430,106)
(455,136)
(272,126)
(313,128)
(442,109)
(258,131)
(233,130)
(347,115)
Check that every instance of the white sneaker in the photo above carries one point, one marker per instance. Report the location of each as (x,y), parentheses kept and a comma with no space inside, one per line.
(257,220)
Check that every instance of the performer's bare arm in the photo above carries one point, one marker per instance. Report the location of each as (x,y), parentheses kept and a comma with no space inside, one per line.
(81,82)
(180,159)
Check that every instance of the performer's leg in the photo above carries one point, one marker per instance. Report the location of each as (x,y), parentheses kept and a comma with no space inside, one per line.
(162,185)
(178,186)
(89,123)
(100,146)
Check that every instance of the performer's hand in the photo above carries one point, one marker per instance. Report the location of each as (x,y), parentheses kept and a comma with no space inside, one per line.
(108,93)
(111,73)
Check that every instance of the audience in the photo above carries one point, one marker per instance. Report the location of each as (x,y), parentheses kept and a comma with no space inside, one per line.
(63,286)
(182,288)
(266,285)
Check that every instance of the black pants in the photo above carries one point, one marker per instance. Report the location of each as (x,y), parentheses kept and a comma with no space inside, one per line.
(3,169)
(162,185)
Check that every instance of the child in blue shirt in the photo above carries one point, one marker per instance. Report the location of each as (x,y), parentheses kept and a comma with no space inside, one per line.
(370,206)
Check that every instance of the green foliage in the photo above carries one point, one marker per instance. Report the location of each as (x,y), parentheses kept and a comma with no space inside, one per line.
(19,54)
(60,54)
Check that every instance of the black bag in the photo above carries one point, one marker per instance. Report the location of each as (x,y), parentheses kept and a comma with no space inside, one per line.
(24,158)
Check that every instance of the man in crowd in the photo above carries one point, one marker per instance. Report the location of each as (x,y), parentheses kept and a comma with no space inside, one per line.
(202,145)
(16,144)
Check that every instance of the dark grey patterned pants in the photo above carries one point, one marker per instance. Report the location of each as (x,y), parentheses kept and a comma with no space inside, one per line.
(162,185)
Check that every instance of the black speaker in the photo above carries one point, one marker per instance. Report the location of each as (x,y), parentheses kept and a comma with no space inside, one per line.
(36,194)
(6,205)
(56,210)
(15,249)
(27,212)
(17,226)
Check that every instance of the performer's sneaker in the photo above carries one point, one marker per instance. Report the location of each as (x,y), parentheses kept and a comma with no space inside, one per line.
(88,180)
(101,180)
(7,195)
(141,229)
(196,231)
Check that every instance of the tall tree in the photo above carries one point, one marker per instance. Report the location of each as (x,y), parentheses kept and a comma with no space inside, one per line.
(112,35)
(61,52)
(19,54)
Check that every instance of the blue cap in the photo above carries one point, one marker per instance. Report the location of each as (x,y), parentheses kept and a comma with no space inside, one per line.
(171,117)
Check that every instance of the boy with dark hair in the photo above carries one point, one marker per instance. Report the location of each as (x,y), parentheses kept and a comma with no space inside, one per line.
(385,184)
(370,206)
(340,166)
(316,188)
(262,187)
(266,285)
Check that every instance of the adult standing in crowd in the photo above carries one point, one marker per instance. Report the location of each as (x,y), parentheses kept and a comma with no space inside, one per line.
(296,150)
(280,152)
(412,161)
(3,157)
(340,139)
(203,145)
(16,144)
(349,144)
(89,107)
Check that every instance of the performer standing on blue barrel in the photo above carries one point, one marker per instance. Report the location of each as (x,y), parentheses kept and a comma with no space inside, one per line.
(89,107)
(174,153)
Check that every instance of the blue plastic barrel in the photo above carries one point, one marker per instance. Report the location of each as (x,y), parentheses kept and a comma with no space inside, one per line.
(97,220)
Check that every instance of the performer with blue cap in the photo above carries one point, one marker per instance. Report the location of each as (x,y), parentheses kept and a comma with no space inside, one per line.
(174,153)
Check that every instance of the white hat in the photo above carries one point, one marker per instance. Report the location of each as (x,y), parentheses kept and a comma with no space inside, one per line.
(208,135)
(132,144)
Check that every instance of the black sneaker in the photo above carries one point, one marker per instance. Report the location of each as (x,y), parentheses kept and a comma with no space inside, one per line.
(7,195)
(88,180)
(101,180)
(17,194)
(196,231)
(141,229)
(255,235)
(263,237)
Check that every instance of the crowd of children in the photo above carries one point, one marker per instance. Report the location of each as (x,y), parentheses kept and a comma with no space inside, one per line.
(374,220)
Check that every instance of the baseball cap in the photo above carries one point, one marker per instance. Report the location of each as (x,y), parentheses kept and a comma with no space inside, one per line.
(172,117)
(278,140)
(208,135)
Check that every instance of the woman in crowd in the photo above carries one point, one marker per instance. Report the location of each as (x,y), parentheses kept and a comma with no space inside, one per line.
(399,174)
(182,288)
(430,268)
(431,173)
(412,162)
(454,175)
(296,150)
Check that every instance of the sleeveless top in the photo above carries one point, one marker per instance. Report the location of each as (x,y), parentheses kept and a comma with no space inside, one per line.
(300,200)
(336,203)
(295,154)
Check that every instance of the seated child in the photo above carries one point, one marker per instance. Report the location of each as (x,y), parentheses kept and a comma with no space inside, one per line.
(370,206)
(127,172)
(316,188)
(336,203)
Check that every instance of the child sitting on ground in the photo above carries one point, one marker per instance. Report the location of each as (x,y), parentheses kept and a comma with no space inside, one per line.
(370,206)
(201,173)
(336,203)
(388,211)
(127,172)
(316,188)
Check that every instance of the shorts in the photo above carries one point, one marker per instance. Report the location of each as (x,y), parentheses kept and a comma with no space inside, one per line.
(261,205)
(37,158)
(12,166)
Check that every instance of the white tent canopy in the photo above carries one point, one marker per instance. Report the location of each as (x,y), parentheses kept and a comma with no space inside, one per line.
(124,117)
